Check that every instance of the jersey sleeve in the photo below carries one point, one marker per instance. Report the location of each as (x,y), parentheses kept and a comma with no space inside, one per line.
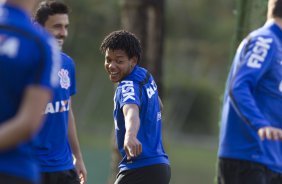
(129,93)
(73,79)
(71,68)
(251,62)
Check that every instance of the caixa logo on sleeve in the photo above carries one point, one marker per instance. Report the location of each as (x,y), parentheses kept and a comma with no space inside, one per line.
(64,78)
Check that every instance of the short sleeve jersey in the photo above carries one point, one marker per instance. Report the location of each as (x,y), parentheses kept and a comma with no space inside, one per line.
(253,99)
(27,57)
(52,146)
(140,88)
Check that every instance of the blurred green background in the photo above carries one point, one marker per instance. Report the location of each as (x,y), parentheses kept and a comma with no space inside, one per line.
(198,42)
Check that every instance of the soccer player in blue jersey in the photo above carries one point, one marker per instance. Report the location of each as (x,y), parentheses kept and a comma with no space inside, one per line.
(137,113)
(250,149)
(29,59)
(58,138)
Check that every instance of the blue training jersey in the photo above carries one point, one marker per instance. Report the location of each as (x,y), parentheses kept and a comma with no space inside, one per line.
(52,147)
(140,88)
(253,99)
(27,57)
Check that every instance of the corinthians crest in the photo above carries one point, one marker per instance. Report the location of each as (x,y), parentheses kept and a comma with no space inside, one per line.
(64,78)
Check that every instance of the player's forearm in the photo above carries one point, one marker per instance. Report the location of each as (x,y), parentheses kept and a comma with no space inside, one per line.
(132,121)
(74,143)
(8,137)
(28,119)
(75,148)
(73,139)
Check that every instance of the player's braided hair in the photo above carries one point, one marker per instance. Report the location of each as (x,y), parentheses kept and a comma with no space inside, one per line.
(122,40)
(48,8)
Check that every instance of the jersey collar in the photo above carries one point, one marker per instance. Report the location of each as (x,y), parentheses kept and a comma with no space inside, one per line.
(276,29)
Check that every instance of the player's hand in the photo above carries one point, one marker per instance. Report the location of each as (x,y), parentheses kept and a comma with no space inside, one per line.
(270,133)
(81,171)
(132,146)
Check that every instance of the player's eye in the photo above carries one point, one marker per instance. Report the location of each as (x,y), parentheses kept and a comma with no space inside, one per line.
(119,61)
(108,60)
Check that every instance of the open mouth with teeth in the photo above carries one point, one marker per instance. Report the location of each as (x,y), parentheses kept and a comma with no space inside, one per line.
(114,76)
(113,73)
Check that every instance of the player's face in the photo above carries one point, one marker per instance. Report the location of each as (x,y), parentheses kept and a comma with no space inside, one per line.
(58,25)
(118,65)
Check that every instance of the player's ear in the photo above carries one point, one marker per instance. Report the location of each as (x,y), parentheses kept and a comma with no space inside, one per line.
(133,61)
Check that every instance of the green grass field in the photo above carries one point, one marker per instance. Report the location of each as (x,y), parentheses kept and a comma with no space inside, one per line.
(192,162)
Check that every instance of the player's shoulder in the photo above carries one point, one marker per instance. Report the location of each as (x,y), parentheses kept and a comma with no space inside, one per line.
(65,56)
(258,47)
(17,21)
(36,36)
(259,40)
(138,75)
(265,34)
(67,59)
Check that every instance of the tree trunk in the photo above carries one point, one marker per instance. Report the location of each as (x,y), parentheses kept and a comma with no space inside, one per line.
(251,14)
(145,18)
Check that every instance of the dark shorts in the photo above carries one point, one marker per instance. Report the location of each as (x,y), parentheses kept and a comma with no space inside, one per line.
(60,177)
(232,171)
(154,174)
(7,179)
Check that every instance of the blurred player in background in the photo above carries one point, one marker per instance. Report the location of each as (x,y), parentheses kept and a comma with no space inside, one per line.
(58,137)
(29,60)
(250,149)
